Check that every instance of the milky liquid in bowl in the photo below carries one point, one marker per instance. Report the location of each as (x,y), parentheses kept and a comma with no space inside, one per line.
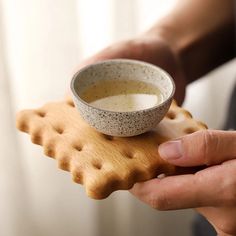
(122,95)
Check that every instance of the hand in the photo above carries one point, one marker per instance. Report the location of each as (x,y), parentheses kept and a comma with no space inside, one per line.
(147,48)
(212,190)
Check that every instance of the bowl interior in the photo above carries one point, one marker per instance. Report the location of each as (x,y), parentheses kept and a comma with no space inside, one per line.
(122,69)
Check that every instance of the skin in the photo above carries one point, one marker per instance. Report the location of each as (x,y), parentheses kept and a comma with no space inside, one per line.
(211,191)
(196,37)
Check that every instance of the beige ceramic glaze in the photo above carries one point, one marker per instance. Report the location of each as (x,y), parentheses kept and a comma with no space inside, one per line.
(118,123)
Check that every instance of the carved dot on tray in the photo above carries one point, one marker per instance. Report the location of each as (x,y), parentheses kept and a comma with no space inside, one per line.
(64,164)
(41,113)
(37,139)
(204,126)
(49,151)
(108,137)
(171,115)
(97,165)
(59,130)
(70,103)
(78,147)
(190,130)
(78,178)
(24,127)
(128,154)
(188,114)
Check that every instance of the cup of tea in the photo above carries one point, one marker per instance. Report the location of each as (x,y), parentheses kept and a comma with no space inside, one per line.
(122,97)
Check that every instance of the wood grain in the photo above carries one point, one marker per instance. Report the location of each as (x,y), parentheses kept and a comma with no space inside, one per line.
(102,163)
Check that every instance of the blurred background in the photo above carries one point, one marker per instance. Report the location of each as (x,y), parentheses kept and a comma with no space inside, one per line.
(41,43)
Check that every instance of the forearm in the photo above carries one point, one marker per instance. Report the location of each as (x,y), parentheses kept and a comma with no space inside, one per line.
(201,34)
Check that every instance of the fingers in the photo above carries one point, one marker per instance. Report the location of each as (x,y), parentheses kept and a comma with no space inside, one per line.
(208,147)
(214,186)
(124,49)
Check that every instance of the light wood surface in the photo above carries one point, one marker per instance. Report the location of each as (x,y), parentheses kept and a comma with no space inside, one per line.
(102,163)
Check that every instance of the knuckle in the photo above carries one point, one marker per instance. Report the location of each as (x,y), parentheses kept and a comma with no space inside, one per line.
(227,227)
(229,195)
(209,145)
(228,187)
(159,202)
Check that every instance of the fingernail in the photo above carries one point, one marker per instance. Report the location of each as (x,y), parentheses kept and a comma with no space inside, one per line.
(171,150)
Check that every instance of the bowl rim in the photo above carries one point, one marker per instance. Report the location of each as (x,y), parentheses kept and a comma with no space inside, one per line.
(121,60)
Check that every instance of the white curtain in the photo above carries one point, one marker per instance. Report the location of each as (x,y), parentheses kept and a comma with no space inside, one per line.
(41,43)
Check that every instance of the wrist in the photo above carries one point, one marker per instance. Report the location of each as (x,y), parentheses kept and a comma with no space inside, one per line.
(158,50)
(164,30)
(198,49)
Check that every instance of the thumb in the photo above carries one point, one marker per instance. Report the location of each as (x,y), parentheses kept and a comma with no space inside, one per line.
(208,147)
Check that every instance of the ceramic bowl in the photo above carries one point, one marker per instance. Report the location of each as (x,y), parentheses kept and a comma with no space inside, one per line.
(119,123)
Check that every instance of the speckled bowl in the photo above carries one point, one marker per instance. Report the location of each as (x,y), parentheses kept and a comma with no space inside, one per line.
(115,123)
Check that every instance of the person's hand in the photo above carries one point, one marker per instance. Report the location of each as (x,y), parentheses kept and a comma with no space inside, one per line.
(147,48)
(212,191)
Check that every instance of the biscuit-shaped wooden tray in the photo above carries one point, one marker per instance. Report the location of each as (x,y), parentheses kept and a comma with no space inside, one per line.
(102,163)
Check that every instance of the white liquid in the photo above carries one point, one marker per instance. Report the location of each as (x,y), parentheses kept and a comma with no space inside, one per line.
(128,102)
(122,95)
